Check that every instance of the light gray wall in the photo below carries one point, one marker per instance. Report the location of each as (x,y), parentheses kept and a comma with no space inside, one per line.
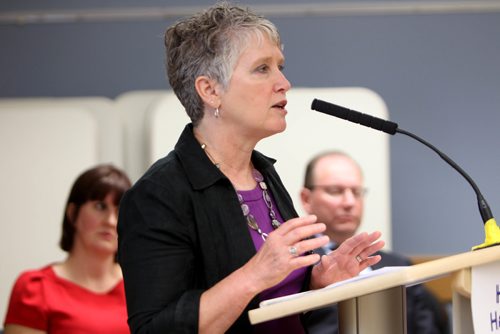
(439,74)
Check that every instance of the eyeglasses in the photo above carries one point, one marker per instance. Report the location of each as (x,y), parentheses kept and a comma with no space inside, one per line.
(338,191)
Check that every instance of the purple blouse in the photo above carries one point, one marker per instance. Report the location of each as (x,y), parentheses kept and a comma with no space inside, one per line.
(291,284)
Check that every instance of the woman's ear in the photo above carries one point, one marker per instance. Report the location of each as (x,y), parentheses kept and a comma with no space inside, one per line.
(208,91)
(71,213)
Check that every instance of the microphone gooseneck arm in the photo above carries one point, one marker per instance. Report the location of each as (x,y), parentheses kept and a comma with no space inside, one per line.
(484,208)
(492,231)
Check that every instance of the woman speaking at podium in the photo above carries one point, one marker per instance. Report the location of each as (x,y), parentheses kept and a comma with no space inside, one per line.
(209,230)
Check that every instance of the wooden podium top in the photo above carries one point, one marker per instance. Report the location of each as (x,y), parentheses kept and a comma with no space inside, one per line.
(377,281)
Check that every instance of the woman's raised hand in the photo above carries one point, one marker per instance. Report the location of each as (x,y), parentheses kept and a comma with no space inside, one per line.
(285,250)
(348,260)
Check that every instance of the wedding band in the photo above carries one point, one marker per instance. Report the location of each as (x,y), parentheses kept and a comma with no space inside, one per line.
(359,258)
(292,250)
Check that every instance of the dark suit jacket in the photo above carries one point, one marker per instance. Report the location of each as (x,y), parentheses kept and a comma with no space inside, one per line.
(425,315)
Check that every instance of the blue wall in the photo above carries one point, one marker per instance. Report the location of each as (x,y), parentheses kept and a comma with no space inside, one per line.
(438,73)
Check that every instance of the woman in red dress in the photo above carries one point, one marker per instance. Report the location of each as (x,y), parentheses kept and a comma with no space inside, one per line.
(85,292)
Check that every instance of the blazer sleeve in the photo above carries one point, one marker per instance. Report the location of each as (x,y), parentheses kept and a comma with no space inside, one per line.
(156,253)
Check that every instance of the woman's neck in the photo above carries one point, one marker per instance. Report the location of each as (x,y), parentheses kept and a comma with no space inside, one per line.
(98,274)
(231,156)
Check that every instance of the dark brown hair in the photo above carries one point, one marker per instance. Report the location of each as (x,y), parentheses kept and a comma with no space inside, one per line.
(93,184)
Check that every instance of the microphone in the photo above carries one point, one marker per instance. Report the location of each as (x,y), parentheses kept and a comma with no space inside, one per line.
(354,116)
(491,229)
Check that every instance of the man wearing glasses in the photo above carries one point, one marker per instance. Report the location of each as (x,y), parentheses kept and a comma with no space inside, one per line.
(334,192)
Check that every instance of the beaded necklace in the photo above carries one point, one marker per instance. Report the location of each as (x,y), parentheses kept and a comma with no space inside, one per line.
(251,221)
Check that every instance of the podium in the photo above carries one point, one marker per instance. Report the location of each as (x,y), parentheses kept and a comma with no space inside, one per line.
(377,303)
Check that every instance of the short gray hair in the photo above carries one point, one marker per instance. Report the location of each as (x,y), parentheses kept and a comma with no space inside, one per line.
(209,43)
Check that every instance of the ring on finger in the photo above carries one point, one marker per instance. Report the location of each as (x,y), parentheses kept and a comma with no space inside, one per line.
(293,251)
(359,259)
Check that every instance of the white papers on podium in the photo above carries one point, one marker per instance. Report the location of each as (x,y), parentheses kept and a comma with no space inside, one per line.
(374,282)
(363,276)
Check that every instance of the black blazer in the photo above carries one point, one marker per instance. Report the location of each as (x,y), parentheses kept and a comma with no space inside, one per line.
(180,232)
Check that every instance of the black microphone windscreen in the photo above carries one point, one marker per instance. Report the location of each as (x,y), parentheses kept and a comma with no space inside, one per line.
(354,116)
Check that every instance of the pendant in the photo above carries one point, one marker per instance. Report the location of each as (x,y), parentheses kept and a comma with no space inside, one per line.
(252,223)
(275,223)
(245,209)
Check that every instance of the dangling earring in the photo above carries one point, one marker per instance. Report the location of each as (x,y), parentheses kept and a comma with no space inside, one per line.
(216,112)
